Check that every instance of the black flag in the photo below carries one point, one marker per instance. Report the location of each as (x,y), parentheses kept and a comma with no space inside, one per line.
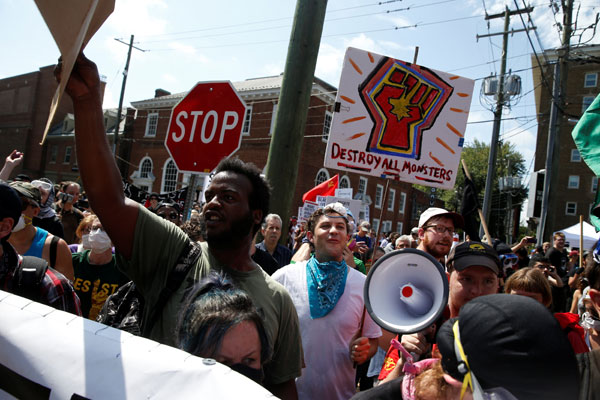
(469,209)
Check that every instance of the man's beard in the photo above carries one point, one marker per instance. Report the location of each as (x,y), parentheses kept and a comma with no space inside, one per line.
(240,230)
(431,249)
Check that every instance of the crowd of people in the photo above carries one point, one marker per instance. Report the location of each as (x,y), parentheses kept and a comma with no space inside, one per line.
(520,322)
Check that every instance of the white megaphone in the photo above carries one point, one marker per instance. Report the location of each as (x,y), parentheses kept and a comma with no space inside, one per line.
(406,291)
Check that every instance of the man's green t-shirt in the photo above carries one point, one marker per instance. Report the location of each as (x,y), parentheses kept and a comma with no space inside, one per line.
(156,247)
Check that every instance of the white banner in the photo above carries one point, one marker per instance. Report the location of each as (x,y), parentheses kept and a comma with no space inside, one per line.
(51,354)
(398,120)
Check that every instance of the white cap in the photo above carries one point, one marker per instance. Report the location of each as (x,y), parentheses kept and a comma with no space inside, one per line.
(431,212)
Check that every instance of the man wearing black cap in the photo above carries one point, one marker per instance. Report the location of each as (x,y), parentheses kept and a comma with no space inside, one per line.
(54,290)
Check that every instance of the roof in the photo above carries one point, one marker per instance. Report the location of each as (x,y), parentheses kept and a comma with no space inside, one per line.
(268,86)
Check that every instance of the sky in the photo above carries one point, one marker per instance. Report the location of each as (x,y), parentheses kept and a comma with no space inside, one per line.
(183,42)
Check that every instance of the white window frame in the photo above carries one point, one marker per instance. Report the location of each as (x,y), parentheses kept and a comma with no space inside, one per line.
(324,171)
(386,226)
(327,121)
(151,125)
(402,203)
(142,165)
(586,102)
(378,196)
(362,183)
(575,156)
(593,76)
(163,184)
(399,227)
(574,205)
(391,200)
(594,184)
(68,153)
(344,182)
(573,182)
(375,224)
(247,120)
(273,115)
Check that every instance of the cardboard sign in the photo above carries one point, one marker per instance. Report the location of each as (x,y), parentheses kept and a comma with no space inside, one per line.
(72,24)
(308,208)
(398,120)
(345,193)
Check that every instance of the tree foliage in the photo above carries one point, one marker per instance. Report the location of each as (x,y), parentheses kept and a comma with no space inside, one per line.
(509,163)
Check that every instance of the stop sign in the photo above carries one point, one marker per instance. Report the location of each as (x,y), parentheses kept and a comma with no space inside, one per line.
(205,126)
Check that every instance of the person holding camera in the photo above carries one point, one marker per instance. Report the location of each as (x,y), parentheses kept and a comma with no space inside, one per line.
(69,215)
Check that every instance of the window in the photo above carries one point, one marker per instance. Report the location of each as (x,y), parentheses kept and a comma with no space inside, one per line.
(573,182)
(591,79)
(402,203)
(386,226)
(272,127)
(151,125)
(587,101)
(327,125)
(362,185)
(322,176)
(67,158)
(146,168)
(571,208)
(344,182)
(247,120)
(575,156)
(399,227)
(594,184)
(53,153)
(378,196)
(169,181)
(390,201)
(375,224)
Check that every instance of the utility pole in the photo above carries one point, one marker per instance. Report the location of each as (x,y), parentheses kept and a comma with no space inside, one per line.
(125,73)
(294,100)
(489,181)
(559,90)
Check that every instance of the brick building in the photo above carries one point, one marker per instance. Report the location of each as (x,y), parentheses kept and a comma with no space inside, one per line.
(577,184)
(151,168)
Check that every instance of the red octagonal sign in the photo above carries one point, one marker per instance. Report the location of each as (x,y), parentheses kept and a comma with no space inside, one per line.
(205,126)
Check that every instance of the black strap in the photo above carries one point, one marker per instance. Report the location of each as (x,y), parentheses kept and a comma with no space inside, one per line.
(28,277)
(53,245)
(188,257)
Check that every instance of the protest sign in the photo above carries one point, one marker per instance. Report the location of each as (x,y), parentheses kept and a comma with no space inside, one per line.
(398,120)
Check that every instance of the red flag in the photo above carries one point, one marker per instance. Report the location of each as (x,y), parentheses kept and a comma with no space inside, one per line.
(326,188)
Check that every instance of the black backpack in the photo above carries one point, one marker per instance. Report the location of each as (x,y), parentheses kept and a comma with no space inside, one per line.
(28,277)
(124,308)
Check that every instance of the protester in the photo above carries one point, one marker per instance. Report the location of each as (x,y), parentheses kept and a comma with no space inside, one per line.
(47,218)
(220,321)
(54,289)
(170,212)
(69,215)
(271,231)
(237,199)
(556,283)
(153,201)
(403,242)
(96,273)
(29,240)
(328,297)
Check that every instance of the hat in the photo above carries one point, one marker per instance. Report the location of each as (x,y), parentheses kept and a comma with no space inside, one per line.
(169,204)
(468,254)
(431,212)
(10,203)
(501,247)
(511,342)
(414,231)
(27,190)
(573,253)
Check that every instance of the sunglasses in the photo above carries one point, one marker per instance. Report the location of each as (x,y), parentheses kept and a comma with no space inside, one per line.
(509,259)
(171,215)
(42,185)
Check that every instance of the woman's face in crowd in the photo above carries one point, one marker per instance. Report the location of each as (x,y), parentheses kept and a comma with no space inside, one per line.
(241,345)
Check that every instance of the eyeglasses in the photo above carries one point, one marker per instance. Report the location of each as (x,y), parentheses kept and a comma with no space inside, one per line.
(171,215)
(440,229)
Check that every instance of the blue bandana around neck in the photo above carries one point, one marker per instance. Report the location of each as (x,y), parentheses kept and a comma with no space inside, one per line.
(326,282)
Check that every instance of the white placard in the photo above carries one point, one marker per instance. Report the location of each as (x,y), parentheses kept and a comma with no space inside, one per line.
(398,120)
(345,193)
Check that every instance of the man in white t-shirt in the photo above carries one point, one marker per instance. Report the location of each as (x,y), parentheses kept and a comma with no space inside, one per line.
(328,297)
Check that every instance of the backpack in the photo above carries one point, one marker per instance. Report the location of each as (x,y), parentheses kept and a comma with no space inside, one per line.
(28,277)
(124,309)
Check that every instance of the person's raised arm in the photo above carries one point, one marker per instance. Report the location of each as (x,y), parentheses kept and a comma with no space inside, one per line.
(10,163)
(97,166)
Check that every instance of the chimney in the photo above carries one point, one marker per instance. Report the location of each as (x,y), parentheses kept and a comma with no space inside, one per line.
(161,93)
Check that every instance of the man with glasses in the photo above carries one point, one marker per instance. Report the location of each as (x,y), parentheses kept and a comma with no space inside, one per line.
(170,212)
(69,215)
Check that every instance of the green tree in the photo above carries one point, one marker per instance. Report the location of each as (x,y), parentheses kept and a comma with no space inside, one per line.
(509,163)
